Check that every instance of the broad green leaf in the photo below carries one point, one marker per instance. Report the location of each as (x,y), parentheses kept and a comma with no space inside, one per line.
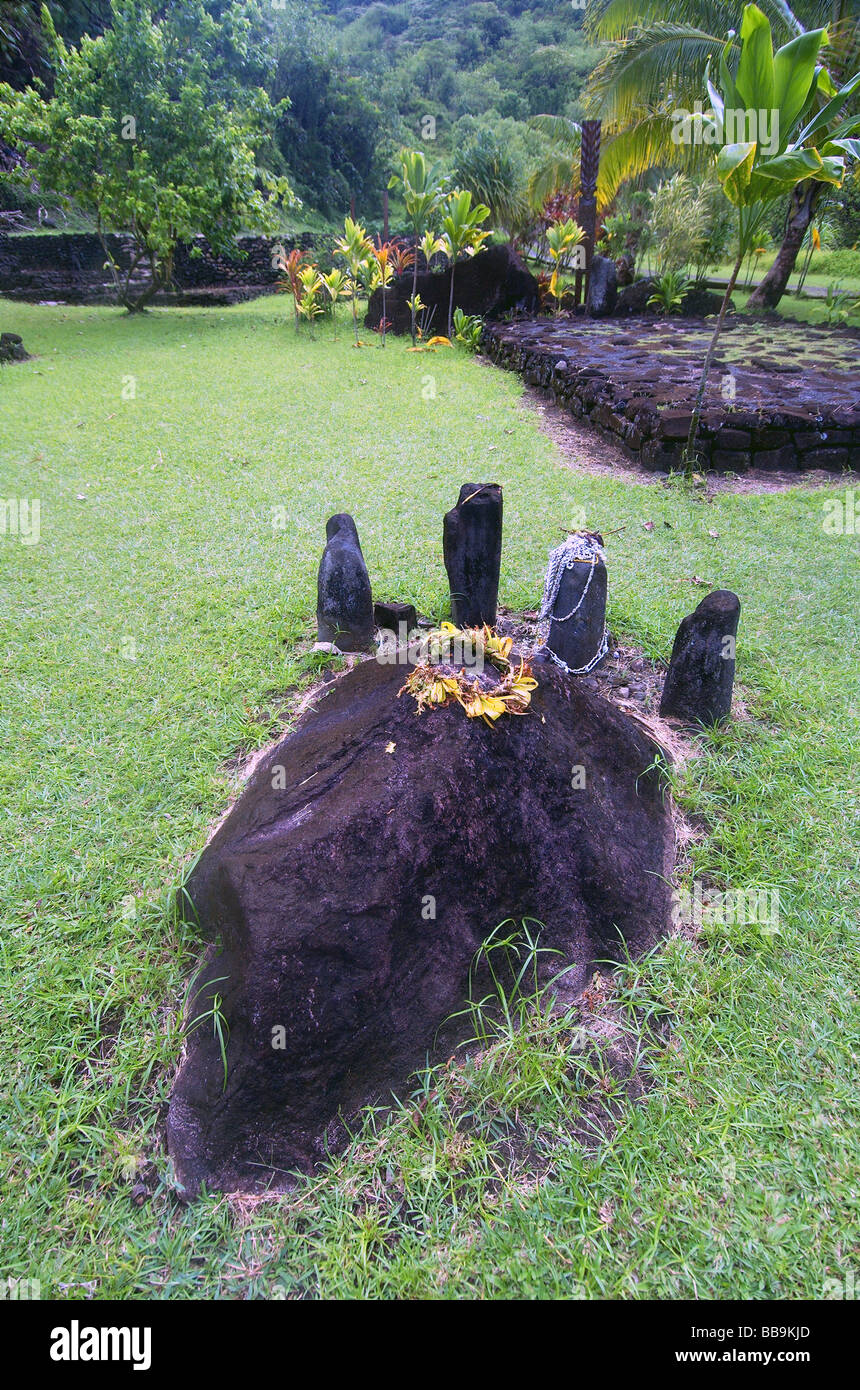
(793,74)
(849,147)
(830,111)
(730,96)
(734,166)
(791,168)
(754,80)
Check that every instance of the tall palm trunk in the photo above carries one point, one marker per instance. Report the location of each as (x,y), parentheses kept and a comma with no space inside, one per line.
(804,201)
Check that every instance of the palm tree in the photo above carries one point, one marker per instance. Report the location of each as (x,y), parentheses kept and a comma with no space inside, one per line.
(657,63)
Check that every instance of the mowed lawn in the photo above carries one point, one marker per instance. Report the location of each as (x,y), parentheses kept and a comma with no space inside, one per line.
(147,641)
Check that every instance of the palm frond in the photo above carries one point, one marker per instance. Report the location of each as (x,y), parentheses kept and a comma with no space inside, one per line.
(559,129)
(613,20)
(664,62)
(645,145)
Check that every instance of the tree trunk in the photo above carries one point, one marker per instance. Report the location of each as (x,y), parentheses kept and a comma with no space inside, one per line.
(414,286)
(804,201)
(690,459)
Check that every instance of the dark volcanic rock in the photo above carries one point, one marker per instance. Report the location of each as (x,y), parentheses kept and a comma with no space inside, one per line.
(602,287)
(390,616)
(576,639)
(488,284)
(633,299)
(348,890)
(472,547)
(701,673)
(12,348)
(344,599)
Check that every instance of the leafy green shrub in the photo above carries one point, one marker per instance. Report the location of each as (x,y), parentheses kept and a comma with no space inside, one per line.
(669,292)
(467,329)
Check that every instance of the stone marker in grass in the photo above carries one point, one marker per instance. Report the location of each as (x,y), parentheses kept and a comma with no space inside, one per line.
(574,602)
(390,615)
(472,547)
(698,685)
(344,599)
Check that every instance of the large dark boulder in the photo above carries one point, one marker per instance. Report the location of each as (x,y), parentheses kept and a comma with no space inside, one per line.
(488,284)
(633,299)
(372,853)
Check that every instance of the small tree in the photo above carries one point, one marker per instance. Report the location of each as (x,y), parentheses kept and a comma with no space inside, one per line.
(383,274)
(461,234)
(422,190)
(146,134)
(562,237)
(786,87)
(356,248)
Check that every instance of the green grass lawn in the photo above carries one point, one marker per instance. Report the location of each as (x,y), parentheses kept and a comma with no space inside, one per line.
(148,637)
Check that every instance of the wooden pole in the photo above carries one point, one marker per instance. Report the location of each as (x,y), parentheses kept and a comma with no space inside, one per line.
(589,163)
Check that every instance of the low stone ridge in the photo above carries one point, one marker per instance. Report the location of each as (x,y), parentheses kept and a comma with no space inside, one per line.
(491,283)
(70,267)
(346,894)
(778,396)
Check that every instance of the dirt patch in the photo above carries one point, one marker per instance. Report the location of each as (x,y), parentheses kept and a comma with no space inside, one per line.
(583,449)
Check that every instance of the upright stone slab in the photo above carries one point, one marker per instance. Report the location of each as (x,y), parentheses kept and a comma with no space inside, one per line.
(578,615)
(472,547)
(344,599)
(698,685)
(602,287)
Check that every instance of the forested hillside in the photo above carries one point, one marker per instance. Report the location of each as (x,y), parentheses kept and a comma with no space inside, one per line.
(362,79)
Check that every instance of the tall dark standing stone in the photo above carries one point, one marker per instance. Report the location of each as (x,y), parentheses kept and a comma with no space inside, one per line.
(472,547)
(602,287)
(344,600)
(577,639)
(698,684)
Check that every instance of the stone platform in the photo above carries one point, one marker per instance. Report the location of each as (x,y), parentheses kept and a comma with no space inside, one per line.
(780,395)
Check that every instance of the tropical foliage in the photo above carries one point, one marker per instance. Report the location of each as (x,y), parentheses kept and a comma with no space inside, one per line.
(149,132)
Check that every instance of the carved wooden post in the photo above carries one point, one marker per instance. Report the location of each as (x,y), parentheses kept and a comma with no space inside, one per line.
(589,164)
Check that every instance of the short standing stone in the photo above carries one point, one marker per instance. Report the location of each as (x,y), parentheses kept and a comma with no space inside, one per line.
(576,639)
(472,546)
(344,599)
(698,685)
(389,616)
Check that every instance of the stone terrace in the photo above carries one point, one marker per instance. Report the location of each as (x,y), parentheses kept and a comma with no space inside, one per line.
(780,395)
